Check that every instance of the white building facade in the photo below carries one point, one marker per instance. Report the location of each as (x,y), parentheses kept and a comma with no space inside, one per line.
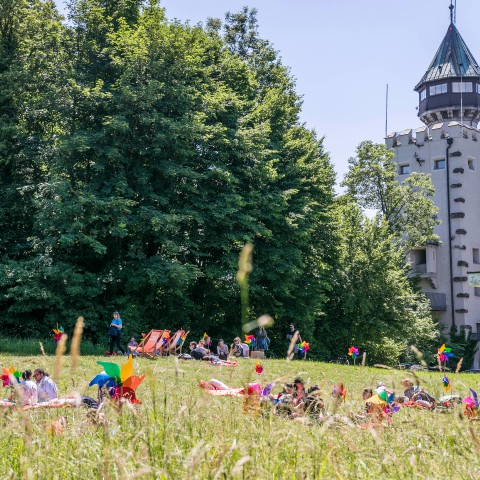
(448,148)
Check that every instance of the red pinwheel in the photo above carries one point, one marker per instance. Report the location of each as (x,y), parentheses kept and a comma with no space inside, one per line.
(57,333)
(259,368)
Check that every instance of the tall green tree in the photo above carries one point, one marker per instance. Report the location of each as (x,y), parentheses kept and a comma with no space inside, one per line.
(406,205)
(374,305)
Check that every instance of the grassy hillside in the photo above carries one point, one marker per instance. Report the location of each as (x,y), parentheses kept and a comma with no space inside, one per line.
(181,432)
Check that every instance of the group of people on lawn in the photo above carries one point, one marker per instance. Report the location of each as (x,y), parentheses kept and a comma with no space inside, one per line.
(34,388)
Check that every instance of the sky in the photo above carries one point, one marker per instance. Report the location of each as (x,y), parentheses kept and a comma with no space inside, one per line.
(343,54)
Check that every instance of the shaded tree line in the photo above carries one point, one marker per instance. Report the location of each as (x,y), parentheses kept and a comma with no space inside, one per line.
(137,157)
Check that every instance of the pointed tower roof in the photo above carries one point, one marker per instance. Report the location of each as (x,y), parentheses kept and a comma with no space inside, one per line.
(453,59)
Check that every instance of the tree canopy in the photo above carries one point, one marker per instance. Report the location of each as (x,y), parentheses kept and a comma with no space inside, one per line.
(138,155)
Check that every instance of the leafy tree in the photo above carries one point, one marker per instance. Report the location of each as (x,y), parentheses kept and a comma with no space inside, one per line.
(407,206)
(374,305)
(169,152)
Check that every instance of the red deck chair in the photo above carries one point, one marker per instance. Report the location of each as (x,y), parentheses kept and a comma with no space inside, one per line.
(148,346)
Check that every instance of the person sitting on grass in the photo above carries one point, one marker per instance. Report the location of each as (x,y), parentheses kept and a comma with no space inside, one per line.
(47,389)
(415,393)
(239,349)
(222,350)
(28,389)
(198,352)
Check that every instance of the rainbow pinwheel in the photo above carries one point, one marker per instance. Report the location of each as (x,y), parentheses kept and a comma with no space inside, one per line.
(304,346)
(446,383)
(9,375)
(259,368)
(57,333)
(250,340)
(118,381)
(353,352)
(471,405)
(444,354)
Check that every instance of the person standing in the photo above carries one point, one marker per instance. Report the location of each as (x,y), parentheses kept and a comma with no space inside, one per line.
(293,334)
(115,334)
(261,339)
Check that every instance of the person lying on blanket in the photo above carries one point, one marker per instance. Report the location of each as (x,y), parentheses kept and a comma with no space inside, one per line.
(415,393)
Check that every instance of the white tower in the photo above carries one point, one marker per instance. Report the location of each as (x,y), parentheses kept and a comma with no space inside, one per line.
(448,149)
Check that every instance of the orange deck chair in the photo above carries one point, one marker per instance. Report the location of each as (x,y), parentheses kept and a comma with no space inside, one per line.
(148,346)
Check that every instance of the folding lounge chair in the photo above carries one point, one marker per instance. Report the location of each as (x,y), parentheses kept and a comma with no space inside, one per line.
(162,343)
(177,347)
(148,346)
(174,342)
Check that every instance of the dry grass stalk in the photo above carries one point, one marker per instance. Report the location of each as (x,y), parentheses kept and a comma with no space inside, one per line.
(459,365)
(42,349)
(61,347)
(76,340)
(291,347)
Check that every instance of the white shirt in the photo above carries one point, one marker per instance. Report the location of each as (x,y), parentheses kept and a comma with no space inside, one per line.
(29,392)
(47,389)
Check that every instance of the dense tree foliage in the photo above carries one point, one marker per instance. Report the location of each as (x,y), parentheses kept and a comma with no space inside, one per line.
(160,149)
(407,206)
(374,305)
(139,155)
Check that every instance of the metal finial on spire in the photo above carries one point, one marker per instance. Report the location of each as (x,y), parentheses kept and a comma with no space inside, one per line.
(452,8)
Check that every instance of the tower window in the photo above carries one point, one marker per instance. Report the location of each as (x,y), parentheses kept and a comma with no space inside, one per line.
(423,94)
(476,257)
(437,89)
(439,164)
(471,164)
(462,87)
(404,169)
(478,87)
(476,291)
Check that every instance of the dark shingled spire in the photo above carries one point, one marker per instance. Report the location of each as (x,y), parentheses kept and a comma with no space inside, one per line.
(452,60)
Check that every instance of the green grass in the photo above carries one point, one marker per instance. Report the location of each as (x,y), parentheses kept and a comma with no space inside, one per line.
(181,432)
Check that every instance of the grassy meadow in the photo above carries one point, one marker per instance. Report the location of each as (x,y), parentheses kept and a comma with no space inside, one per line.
(181,432)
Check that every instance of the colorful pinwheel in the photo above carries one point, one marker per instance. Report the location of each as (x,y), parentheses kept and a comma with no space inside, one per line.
(304,346)
(250,340)
(353,352)
(444,354)
(446,383)
(471,405)
(57,333)
(9,375)
(339,392)
(118,381)
(259,368)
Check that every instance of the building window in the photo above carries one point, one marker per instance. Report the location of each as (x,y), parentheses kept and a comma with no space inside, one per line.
(471,164)
(478,87)
(476,256)
(423,94)
(439,164)
(437,89)
(476,291)
(462,87)
(404,169)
